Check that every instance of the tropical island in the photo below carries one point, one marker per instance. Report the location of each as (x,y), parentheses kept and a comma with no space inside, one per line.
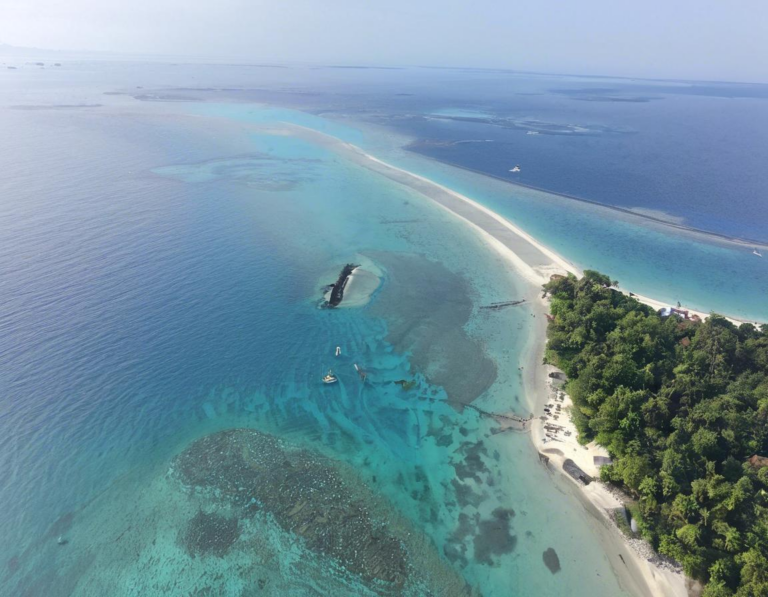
(681,405)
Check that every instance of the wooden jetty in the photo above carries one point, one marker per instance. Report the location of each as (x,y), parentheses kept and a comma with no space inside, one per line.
(502,305)
(507,421)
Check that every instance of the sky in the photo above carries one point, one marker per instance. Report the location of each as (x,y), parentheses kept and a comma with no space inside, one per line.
(689,39)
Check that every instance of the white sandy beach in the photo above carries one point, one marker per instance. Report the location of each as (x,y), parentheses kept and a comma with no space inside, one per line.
(640,575)
(536,263)
(361,285)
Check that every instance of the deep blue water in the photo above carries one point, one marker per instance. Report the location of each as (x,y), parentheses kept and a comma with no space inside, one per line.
(696,158)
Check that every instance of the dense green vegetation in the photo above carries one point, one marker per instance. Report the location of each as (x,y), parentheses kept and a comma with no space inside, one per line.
(681,406)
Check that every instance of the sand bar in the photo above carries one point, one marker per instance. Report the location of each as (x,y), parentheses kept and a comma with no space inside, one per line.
(532,259)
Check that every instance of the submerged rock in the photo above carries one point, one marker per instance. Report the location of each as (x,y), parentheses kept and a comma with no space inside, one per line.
(551,560)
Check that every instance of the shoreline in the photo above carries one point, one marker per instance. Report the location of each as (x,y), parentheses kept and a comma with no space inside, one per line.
(713,236)
(641,576)
(534,262)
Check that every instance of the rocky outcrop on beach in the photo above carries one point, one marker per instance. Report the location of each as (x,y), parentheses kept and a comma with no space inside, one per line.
(337,288)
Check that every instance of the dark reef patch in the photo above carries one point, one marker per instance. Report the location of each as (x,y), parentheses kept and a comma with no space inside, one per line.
(426,306)
(62,525)
(494,536)
(551,560)
(455,549)
(465,496)
(209,534)
(473,464)
(12,565)
(304,493)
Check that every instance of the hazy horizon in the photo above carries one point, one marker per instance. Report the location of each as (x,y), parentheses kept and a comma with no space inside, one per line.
(106,55)
(690,40)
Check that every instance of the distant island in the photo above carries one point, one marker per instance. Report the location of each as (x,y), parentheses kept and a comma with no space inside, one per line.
(9,50)
(682,407)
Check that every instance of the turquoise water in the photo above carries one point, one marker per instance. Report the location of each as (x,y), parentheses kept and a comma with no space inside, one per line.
(164,283)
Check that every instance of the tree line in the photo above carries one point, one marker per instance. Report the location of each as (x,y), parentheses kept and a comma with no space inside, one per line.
(682,407)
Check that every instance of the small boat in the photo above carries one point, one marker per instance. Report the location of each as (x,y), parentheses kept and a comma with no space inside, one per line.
(758,253)
(338,350)
(330,377)
(516,168)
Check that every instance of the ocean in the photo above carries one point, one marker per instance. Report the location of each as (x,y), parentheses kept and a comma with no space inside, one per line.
(163,260)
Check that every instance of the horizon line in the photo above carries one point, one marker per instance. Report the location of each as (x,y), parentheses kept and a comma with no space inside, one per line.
(240,61)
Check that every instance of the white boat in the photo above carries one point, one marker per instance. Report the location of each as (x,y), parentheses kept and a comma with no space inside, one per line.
(338,350)
(516,168)
(330,377)
(758,253)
